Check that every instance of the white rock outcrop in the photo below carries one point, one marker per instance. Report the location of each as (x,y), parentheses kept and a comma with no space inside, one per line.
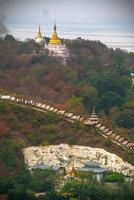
(61,155)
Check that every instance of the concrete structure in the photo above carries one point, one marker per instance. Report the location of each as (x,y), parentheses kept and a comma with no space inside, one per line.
(55,46)
(95,168)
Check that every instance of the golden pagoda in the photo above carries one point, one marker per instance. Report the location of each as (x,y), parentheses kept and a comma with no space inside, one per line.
(72,173)
(55,46)
(39,37)
(54,39)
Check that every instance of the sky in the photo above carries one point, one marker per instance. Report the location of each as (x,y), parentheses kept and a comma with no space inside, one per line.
(72,12)
(95,11)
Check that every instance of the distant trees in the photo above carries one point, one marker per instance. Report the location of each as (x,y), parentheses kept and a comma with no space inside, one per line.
(89,191)
(125,119)
(92,75)
(89,95)
(43,180)
(9,150)
(91,71)
(74,104)
(9,38)
(109,100)
(111,82)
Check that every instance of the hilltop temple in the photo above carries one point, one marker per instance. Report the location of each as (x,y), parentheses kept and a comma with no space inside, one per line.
(55,46)
(39,38)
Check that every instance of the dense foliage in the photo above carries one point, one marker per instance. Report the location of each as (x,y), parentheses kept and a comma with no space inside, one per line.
(114,177)
(92,75)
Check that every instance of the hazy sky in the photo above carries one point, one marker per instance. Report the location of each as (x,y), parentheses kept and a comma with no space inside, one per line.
(83,11)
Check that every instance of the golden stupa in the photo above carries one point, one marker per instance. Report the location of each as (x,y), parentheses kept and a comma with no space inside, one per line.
(39,34)
(54,39)
(72,173)
(39,37)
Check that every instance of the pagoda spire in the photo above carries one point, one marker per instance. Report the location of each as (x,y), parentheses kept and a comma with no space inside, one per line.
(39,29)
(94,116)
(55,27)
(94,112)
(72,173)
(39,36)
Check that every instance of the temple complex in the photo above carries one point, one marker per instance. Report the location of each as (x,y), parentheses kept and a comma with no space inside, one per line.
(55,46)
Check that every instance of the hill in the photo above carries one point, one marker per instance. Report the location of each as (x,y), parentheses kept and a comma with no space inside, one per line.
(23,127)
(92,76)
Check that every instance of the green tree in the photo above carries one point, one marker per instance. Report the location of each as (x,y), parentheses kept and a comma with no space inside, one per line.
(125,119)
(74,104)
(114,177)
(108,82)
(109,100)
(89,95)
(42,180)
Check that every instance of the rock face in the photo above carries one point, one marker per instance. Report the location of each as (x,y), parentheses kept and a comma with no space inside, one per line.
(63,154)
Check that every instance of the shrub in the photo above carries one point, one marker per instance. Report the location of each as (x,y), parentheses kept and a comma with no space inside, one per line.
(114,177)
(72,140)
(3,129)
(131,136)
(126,119)
(108,142)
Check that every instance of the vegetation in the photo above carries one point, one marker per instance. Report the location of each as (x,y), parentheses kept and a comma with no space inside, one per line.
(26,185)
(92,75)
(114,177)
(85,191)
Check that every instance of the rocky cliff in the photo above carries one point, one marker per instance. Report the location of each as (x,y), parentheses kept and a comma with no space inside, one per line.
(61,155)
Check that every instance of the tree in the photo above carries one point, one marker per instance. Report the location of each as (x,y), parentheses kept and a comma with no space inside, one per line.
(114,177)
(9,38)
(42,180)
(125,119)
(74,105)
(107,82)
(89,95)
(109,100)
(85,191)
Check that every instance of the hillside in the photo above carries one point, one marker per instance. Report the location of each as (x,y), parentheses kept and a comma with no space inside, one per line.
(23,127)
(92,76)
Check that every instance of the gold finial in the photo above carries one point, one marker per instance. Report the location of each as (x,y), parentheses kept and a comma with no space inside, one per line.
(39,29)
(55,28)
(72,172)
(39,34)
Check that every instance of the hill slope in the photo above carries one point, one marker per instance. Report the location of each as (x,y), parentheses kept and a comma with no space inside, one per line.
(22,127)
(93,75)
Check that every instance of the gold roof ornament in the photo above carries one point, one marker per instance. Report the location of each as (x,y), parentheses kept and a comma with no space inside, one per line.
(72,173)
(54,39)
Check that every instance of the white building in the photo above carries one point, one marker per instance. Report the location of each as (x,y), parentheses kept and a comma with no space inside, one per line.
(55,46)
